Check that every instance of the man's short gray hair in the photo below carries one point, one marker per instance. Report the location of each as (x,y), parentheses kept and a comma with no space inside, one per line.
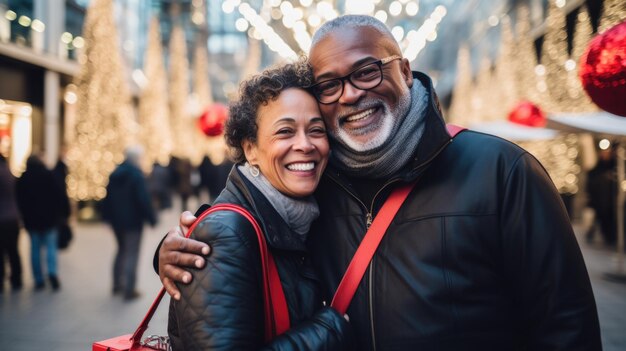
(354,21)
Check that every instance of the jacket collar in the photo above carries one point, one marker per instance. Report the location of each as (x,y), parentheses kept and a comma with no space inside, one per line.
(277,233)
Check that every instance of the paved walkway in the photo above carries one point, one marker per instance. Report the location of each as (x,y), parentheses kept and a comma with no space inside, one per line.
(84,310)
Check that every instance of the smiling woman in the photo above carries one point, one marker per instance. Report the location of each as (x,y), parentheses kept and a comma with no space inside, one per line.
(278,140)
(291,148)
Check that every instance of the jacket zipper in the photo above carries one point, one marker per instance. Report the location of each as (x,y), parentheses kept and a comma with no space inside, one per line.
(371,267)
(368,222)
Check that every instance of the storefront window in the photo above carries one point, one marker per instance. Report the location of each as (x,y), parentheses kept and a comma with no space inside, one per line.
(15,133)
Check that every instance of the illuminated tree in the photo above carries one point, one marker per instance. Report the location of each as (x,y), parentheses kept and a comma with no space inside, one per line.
(461,106)
(204,97)
(253,59)
(105,121)
(506,92)
(483,102)
(613,12)
(579,100)
(155,133)
(559,156)
(201,81)
(553,57)
(179,95)
(525,60)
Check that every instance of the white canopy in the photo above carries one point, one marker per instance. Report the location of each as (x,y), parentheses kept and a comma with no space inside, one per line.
(602,123)
(513,131)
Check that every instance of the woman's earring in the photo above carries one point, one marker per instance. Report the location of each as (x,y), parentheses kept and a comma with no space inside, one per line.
(254,171)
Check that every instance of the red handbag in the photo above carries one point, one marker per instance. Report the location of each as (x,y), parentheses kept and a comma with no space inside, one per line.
(275,305)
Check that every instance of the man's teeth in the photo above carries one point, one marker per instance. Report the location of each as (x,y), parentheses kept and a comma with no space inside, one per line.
(359,116)
(301,166)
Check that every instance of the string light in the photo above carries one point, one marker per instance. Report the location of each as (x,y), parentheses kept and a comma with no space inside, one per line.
(416,40)
(381,15)
(38,26)
(10,15)
(24,21)
(273,40)
(412,8)
(395,8)
(241,24)
(397,32)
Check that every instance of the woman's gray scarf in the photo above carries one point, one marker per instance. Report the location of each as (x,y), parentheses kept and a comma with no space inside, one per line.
(390,157)
(298,213)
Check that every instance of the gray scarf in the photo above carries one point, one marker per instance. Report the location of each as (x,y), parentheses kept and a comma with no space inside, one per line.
(298,213)
(390,157)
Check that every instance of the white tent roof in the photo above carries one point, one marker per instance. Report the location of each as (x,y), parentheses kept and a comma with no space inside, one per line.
(513,131)
(602,123)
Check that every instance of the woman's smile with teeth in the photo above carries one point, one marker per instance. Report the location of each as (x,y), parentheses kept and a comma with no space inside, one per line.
(307,166)
(360,115)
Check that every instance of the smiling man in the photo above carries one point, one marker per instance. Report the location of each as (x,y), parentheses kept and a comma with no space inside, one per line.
(481,255)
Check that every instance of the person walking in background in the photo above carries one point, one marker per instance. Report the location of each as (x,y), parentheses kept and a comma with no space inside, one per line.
(602,192)
(60,172)
(126,207)
(40,201)
(160,186)
(9,227)
(181,169)
(214,176)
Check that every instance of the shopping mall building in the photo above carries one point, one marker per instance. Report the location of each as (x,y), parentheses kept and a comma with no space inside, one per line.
(41,42)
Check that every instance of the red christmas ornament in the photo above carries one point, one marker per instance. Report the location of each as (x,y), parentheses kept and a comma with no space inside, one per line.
(528,114)
(603,70)
(212,120)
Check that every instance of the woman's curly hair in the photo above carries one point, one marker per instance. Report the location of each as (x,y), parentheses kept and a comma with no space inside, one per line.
(257,91)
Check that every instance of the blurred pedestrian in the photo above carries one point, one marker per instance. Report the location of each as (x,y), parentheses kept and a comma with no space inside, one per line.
(126,207)
(602,192)
(182,171)
(214,176)
(40,201)
(9,227)
(160,186)
(60,172)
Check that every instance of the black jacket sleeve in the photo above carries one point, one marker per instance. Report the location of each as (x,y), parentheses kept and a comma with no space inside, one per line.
(222,308)
(326,330)
(544,264)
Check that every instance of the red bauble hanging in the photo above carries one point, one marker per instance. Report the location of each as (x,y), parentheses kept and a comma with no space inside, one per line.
(212,120)
(603,70)
(528,114)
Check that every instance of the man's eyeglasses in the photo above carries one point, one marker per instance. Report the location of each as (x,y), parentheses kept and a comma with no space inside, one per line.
(364,78)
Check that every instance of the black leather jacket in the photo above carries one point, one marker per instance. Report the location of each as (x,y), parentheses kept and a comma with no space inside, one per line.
(481,256)
(222,308)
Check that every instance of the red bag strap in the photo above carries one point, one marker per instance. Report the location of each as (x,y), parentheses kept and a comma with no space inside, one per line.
(274,304)
(453,129)
(364,253)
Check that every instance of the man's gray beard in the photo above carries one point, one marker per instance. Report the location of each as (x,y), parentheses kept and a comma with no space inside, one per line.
(385,130)
(396,151)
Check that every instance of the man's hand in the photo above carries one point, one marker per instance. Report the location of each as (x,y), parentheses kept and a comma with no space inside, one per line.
(177,253)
